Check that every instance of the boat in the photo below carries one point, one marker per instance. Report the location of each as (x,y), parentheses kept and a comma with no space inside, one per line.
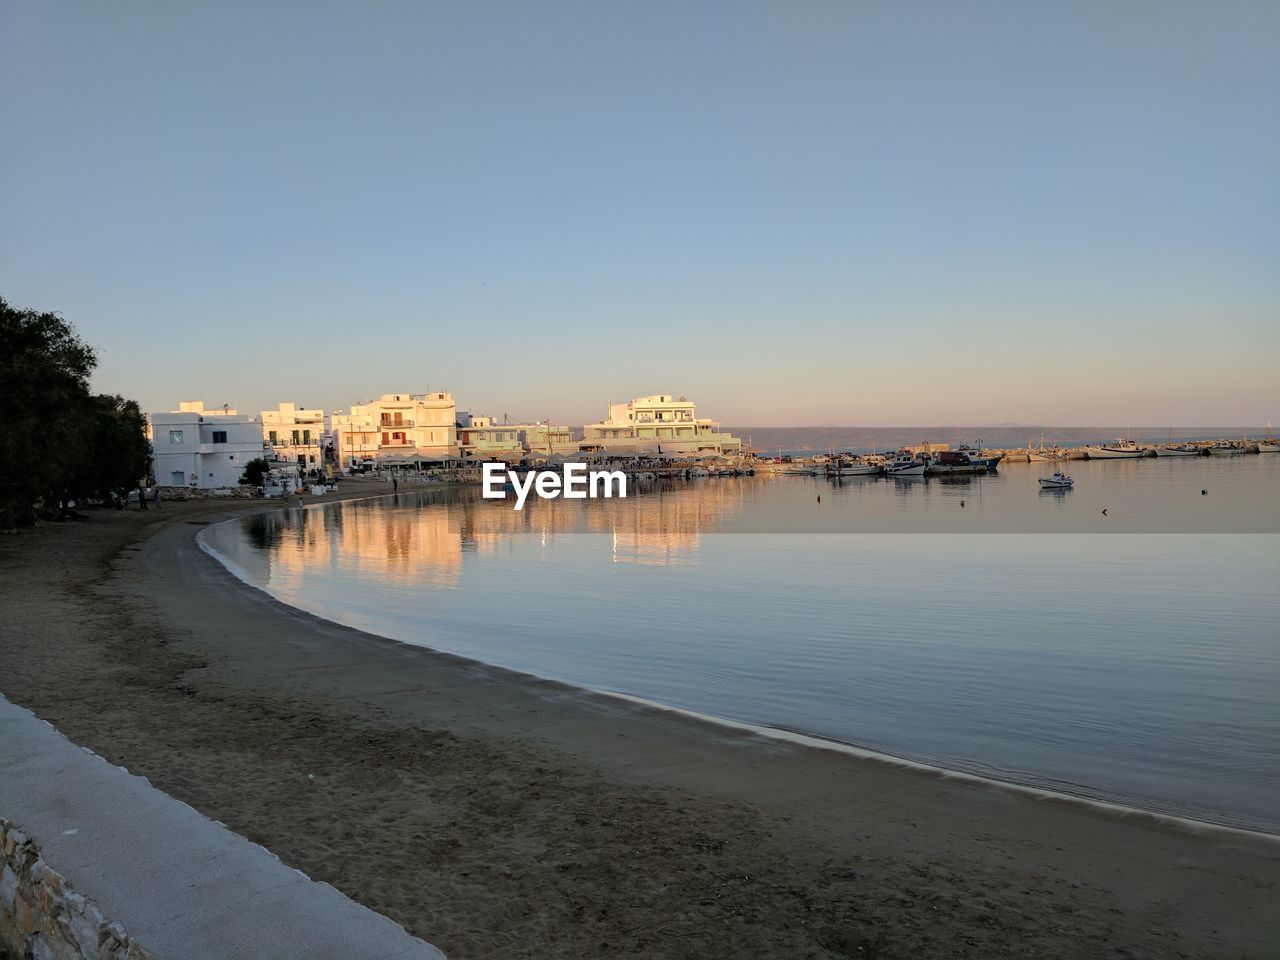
(1121,448)
(851,466)
(954,461)
(1227,448)
(976,456)
(1180,450)
(1041,455)
(1059,481)
(1269,445)
(905,465)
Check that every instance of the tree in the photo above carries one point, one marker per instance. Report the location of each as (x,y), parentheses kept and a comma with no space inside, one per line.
(254,471)
(58,439)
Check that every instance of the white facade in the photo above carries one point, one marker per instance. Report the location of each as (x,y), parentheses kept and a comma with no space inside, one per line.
(480,437)
(397,426)
(296,436)
(195,447)
(547,439)
(660,422)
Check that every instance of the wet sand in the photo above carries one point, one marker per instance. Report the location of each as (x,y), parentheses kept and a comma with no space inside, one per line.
(497,815)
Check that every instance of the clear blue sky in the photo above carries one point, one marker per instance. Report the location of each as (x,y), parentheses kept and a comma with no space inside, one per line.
(793,212)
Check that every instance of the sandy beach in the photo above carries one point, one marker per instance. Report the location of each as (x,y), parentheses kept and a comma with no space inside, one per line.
(500,816)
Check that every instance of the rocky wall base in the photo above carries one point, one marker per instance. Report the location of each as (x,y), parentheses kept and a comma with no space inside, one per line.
(42,918)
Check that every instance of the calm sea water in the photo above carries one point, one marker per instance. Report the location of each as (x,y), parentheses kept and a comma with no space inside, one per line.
(1140,666)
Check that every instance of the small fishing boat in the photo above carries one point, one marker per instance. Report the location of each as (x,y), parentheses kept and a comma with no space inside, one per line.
(1227,448)
(954,461)
(1269,445)
(905,465)
(851,466)
(976,456)
(1059,481)
(1180,450)
(1122,448)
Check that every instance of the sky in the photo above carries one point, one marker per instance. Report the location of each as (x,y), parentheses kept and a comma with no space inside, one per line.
(795,213)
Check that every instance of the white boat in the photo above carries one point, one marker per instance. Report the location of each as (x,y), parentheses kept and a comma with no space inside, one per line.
(1269,445)
(1041,455)
(1059,481)
(1180,450)
(1227,448)
(1122,448)
(851,466)
(905,465)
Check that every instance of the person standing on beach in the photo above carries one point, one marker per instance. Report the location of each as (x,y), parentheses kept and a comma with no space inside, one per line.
(157,494)
(142,497)
(395,484)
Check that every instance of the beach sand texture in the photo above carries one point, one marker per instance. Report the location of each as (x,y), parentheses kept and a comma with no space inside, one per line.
(500,816)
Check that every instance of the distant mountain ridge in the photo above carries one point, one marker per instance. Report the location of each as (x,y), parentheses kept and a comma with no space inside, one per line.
(1003,436)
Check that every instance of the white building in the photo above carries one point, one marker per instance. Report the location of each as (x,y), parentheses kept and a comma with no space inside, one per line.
(547,439)
(296,435)
(195,447)
(397,426)
(660,422)
(480,437)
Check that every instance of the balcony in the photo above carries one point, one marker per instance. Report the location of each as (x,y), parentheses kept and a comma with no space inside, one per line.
(395,424)
(393,442)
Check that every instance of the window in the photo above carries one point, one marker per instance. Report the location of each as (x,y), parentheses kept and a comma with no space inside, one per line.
(175,436)
(274,439)
(219,436)
(177,478)
(306,438)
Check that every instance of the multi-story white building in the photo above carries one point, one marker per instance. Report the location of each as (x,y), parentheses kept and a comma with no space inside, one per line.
(296,435)
(195,447)
(480,437)
(547,439)
(660,422)
(398,426)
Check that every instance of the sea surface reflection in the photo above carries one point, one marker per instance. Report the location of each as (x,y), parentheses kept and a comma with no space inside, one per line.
(1135,667)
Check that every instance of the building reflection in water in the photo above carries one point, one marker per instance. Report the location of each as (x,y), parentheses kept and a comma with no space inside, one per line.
(422,538)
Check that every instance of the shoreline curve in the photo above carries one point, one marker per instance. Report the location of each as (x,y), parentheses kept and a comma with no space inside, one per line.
(1115,809)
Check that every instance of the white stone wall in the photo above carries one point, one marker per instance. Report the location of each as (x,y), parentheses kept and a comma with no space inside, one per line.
(43,918)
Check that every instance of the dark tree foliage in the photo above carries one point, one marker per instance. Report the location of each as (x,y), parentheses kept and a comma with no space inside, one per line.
(59,440)
(254,472)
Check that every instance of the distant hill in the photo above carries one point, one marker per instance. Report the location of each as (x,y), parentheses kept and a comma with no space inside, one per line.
(1004,436)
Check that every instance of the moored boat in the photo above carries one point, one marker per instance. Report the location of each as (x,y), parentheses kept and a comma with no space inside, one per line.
(905,465)
(849,465)
(1122,448)
(977,457)
(1227,448)
(1180,450)
(954,461)
(1058,481)
(1269,445)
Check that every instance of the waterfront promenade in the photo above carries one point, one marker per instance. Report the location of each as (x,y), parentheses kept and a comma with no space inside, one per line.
(181,886)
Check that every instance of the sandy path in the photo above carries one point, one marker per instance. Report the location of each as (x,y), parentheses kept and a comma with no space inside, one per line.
(500,816)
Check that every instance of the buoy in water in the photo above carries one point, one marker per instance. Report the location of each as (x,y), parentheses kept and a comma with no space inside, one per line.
(1204,493)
